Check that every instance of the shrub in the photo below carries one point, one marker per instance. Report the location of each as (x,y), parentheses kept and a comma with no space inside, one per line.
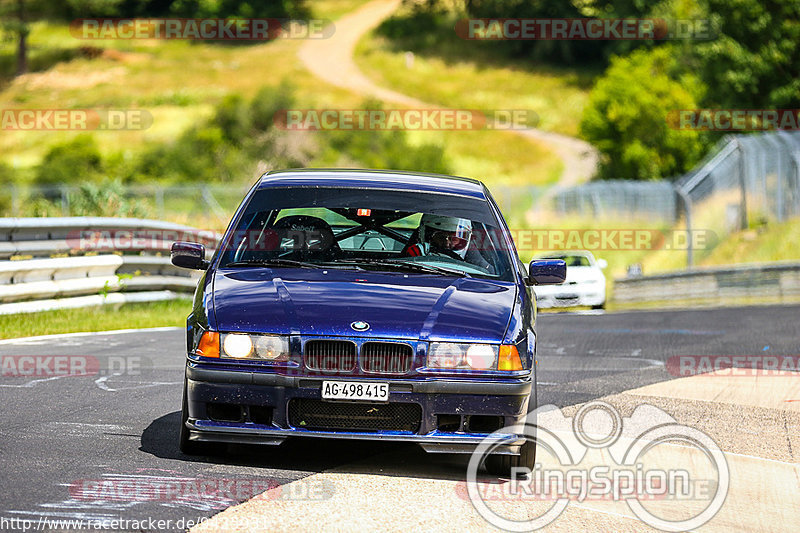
(386,149)
(626,118)
(106,199)
(75,161)
(266,103)
(232,120)
(7,177)
(226,147)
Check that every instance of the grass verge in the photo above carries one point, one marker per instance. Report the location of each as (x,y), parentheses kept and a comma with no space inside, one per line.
(127,316)
(179,83)
(556,95)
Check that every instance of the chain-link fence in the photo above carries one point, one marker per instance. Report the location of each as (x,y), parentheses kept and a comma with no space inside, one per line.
(619,199)
(745,181)
(211,203)
(754,177)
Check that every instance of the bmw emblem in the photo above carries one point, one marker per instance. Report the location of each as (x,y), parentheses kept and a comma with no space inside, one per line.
(359,325)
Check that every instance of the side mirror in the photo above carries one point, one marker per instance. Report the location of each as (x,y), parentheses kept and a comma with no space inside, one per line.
(602,263)
(547,272)
(188,255)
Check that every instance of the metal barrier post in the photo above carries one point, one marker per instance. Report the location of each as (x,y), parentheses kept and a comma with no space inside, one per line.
(687,205)
(742,185)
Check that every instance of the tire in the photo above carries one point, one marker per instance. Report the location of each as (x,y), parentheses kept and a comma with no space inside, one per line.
(501,465)
(193,447)
(599,306)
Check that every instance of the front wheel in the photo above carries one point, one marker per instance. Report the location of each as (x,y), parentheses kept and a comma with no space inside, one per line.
(501,465)
(192,447)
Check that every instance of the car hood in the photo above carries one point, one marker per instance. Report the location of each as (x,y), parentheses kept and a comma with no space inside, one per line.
(395,305)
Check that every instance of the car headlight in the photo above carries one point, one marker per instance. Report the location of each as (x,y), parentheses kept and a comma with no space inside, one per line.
(445,355)
(481,356)
(272,348)
(449,355)
(258,347)
(237,345)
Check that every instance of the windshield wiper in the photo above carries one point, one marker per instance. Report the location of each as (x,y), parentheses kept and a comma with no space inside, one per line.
(272,262)
(405,265)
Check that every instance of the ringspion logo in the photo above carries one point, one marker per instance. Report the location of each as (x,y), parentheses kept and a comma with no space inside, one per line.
(598,455)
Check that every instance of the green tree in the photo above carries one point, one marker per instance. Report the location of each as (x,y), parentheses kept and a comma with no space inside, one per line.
(754,61)
(626,118)
(14,24)
(16,17)
(240,8)
(560,51)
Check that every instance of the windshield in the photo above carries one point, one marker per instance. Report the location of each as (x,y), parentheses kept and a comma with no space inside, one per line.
(372,229)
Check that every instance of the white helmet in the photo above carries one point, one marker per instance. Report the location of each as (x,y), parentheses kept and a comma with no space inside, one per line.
(448,233)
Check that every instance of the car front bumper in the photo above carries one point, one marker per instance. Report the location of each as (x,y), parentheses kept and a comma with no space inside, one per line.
(568,297)
(464,400)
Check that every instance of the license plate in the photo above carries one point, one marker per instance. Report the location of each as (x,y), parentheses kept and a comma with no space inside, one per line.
(355,390)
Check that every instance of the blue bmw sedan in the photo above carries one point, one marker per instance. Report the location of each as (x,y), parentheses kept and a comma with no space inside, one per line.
(359,304)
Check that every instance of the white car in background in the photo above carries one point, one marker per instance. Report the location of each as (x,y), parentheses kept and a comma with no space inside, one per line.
(585,284)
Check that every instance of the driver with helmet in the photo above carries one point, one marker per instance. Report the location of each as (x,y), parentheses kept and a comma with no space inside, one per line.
(447,236)
(442,235)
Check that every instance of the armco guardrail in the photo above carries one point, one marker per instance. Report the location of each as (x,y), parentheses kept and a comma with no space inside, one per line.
(750,283)
(44,237)
(127,262)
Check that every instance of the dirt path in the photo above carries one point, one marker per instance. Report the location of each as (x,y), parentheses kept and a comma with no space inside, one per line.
(332,61)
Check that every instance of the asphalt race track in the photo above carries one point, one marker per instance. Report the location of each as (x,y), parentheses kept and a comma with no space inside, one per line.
(104,446)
